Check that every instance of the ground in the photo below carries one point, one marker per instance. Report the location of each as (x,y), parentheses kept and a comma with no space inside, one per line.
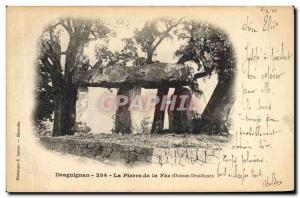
(159,141)
(175,149)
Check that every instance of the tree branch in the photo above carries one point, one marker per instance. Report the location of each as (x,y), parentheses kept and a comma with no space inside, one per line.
(69,25)
(165,34)
(95,36)
(203,74)
(56,75)
(66,28)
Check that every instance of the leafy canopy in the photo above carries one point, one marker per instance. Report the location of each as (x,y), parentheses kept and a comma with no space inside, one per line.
(207,46)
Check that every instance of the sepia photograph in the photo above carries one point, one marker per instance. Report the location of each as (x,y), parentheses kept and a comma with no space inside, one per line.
(150,99)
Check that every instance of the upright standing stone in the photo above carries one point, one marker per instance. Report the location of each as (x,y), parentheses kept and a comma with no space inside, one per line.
(124,119)
(135,108)
(159,114)
(180,113)
(82,111)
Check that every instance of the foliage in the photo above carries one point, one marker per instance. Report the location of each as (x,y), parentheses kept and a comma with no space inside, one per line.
(44,97)
(49,71)
(153,33)
(145,125)
(108,58)
(209,47)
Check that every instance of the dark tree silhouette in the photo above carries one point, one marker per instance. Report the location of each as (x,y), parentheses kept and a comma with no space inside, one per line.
(210,48)
(79,32)
(44,97)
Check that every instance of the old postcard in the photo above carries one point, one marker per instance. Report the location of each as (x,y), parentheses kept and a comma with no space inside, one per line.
(150,99)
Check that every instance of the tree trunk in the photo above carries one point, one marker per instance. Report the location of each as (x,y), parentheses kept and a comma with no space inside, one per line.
(149,57)
(69,92)
(57,125)
(214,119)
(68,108)
(64,112)
(69,96)
(159,114)
(66,93)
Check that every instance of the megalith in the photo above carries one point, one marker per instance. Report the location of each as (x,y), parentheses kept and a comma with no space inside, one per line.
(180,111)
(123,119)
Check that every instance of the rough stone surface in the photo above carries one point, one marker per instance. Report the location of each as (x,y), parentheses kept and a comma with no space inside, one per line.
(82,105)
(148,76)
(123,116)
(181,114)
(130,154)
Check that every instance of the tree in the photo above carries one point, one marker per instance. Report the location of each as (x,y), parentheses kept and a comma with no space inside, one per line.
(79,32)
(107,58)
(153,33)
(149,38)
(210,48)
(44,98)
